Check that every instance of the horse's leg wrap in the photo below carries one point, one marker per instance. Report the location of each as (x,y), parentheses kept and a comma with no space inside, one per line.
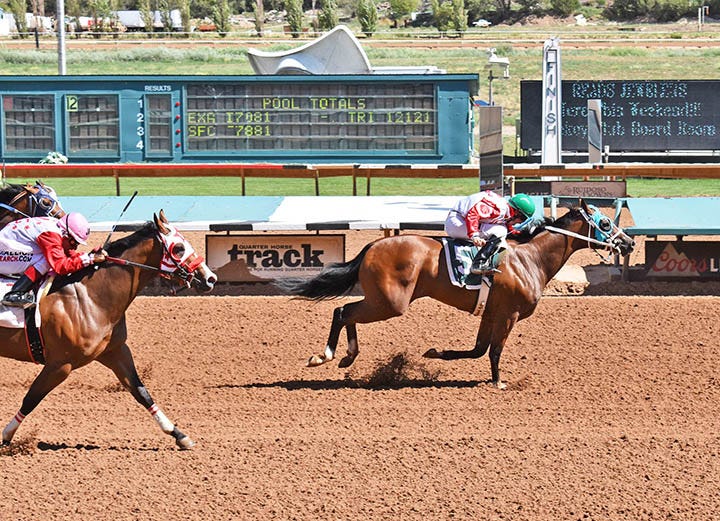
(12,427)
(182,440)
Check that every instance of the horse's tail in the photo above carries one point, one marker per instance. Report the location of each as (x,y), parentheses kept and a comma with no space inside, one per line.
(334,281)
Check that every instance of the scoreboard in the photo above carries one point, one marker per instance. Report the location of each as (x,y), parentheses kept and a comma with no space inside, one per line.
(637,115)
(331,119)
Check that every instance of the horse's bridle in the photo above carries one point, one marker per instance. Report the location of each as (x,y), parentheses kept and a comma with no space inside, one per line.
(37,196)
(174,265)
(184,263)
(605,229)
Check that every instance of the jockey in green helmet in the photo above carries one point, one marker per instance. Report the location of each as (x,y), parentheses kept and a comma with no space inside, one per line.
(524,204)
(486,218)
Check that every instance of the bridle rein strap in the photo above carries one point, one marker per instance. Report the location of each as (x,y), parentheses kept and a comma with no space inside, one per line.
(183,276)
(578,236)
(9,206)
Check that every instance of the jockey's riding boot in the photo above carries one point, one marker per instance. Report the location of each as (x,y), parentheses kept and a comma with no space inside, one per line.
(483,260)
(21,294)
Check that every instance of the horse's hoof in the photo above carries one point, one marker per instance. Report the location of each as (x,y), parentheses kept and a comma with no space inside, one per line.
(346,361)
(499,385)
(316,360)
(432,353)
(185,443)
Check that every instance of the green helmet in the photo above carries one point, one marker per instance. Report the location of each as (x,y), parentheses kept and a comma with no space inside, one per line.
(523,204)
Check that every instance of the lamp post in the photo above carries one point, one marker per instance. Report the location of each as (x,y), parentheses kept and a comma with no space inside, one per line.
(60,27)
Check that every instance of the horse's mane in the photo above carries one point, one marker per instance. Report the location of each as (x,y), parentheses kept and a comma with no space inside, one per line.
(8,191)
(115,248)
(572,215)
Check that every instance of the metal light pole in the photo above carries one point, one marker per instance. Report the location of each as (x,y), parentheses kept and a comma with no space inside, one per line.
(61,37)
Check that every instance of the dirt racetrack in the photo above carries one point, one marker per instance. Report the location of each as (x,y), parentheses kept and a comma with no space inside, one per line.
(612,412)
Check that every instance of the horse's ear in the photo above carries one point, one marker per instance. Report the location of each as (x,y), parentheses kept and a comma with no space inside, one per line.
(162,217)
(160,222)
(584,206)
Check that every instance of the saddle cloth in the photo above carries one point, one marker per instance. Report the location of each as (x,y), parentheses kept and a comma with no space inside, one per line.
(14,318)
(459,255)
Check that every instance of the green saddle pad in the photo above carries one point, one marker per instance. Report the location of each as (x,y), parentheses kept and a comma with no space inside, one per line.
(459,256)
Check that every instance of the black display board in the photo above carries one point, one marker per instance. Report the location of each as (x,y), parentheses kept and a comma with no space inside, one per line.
(285,116)
(637,115)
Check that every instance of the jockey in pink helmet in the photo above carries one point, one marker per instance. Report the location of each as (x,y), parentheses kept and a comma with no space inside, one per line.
(37,245)
(76,225)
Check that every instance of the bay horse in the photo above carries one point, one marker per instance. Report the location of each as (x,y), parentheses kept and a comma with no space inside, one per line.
(18,201)
(395,271)
(83,316)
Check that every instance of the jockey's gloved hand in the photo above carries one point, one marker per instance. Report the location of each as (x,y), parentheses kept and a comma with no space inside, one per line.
(478,241)
(99,256)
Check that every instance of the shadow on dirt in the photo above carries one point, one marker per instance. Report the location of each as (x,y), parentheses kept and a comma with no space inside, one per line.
(332,385)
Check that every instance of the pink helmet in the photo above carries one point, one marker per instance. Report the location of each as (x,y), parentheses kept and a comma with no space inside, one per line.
(76,225)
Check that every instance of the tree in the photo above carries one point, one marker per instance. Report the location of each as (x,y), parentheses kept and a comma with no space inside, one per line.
(328,17)
(18,10)
(443,14)
(459,16)
(148,17)
(184,7)
(101,11)
(165,16)
(400,9)
(367,16)
(221,17)
(294,17)
(259,13)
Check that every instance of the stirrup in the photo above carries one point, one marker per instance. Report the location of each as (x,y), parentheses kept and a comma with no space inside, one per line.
(478,268)
(483,266)
(19,300)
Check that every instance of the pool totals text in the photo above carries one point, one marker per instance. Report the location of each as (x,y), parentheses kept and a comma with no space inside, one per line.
(314,117)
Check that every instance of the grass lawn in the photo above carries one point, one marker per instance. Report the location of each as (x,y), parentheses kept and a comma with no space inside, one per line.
(92,186)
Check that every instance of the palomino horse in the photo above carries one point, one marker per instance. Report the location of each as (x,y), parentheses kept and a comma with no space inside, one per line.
(394,271)
(18,201)
(83,316)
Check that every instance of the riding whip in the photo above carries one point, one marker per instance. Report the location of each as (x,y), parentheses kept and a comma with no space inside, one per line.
(118,219)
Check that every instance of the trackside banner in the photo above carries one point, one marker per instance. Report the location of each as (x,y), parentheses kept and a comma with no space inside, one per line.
(253,258)
(697,259)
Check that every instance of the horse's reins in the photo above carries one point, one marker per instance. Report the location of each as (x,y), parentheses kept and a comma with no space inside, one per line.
(578,236)
(9,206)
(12,209)
(182,273)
